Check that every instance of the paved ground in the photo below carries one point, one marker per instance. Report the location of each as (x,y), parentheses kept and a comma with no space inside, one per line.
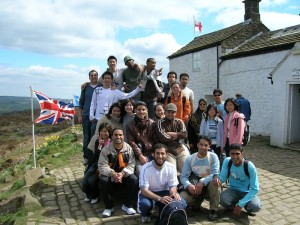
(279,176)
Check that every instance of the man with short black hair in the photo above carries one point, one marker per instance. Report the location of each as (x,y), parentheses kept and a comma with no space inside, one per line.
(84,112)
(139,135)
(153,86)
(103,97)
(219,103)
(116,166)
(244,106)
(172,77)
(197,174)
(158,182)
(184,80)
(243,188)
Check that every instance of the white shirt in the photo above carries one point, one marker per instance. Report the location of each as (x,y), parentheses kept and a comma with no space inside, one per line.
(158,180)
(103,98)
(118,78)
(187,92)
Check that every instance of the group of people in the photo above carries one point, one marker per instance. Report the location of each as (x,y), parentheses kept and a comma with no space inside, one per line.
(145,138)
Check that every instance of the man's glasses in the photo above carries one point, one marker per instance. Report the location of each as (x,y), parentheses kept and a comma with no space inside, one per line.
(217,95)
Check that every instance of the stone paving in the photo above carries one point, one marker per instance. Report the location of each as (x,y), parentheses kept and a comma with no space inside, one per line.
(279,176)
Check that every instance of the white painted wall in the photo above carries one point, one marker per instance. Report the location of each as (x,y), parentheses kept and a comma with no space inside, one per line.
(202,81)
(282,78)
(247,75)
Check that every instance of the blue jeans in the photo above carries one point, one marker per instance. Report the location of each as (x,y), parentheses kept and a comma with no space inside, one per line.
(146,204)
(230,197)
(87,135)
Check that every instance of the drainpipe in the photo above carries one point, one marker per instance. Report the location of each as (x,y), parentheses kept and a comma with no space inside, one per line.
(218,68)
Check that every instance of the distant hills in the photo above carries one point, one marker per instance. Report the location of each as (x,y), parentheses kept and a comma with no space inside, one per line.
(16,104)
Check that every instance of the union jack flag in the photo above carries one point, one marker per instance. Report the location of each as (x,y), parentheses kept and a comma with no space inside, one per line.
(53,111)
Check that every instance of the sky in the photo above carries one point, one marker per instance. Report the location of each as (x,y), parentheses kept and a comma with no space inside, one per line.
(52,45)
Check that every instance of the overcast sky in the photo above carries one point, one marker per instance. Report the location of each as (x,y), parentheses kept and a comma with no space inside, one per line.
(53,44)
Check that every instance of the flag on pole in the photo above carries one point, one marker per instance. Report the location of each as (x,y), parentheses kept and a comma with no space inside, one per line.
(53,111)
(76,100)
(197,25)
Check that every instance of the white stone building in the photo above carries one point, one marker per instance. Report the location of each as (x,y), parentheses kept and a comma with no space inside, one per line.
(247,58)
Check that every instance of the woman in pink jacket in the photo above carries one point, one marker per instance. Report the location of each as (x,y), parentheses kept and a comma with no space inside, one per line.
(234,124)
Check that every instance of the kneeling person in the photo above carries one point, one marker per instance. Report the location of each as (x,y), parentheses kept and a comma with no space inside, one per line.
(158,182)
(198,171)
(243,183)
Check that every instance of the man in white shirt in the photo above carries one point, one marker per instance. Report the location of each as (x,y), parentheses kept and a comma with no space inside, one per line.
(103,97)
(158,183)
(187,92)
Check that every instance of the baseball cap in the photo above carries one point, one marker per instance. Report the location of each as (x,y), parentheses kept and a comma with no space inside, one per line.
(171,107)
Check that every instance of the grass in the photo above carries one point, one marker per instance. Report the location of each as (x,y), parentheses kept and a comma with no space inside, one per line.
(54,150)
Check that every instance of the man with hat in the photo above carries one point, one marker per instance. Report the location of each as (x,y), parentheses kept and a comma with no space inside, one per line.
(132,76)
(243,183)
(170,131)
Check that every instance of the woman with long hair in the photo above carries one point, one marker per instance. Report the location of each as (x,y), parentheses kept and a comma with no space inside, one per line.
(91,177)
(194,125)
(234,124)
(159,111)
(112,118)
(212,126)
(127,114)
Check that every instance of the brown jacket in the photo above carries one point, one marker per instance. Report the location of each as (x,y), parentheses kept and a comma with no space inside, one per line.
(162,126)
(139,135)
(109,155)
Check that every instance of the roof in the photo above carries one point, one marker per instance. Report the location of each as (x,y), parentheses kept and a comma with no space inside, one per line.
(217,37)
(272,40)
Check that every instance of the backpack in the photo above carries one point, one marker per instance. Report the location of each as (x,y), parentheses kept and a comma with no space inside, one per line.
(246,135)
(173,214)
(245,168)
(183,101)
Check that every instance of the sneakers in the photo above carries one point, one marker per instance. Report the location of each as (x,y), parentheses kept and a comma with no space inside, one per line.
(129,211)
(213,215)
(86,199)
(94,200)
(107,212)
(146,219)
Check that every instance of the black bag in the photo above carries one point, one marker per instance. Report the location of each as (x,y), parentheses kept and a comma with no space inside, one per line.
(246,135)
(173,214)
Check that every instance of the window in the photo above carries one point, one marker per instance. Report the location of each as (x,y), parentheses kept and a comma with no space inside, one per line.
(196,61)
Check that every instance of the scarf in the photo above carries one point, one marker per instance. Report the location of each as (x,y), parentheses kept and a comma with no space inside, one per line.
(141,123)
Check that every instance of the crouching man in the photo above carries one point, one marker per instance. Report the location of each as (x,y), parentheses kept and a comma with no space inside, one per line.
(198,171)
(158,183)
(243,183)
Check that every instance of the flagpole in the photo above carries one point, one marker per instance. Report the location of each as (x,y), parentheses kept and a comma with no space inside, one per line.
(194,25)
(33,134)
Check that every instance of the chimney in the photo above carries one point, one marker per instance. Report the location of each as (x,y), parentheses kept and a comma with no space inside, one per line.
(252,10)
